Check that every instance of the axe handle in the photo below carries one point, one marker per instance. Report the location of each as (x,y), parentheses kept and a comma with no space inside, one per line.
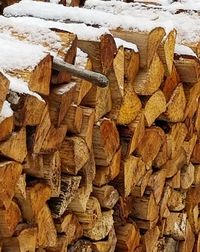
(98,79)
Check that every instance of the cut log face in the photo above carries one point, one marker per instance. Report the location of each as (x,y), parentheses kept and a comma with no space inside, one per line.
(10,148)
(4,89)
(105,141)
(9,173)
(74,154)
(9,219)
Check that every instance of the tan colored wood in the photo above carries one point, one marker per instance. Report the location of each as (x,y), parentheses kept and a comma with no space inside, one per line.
(74,154)
(73,119)
(46,229)
(91,215)
(105,141)
(176,200)
(147,42)
(105,174)
(10,172)
(9,218)
(86,131)
(196,174)
(187,176)
(128,237)
(164,210)
(150,238)
(189,147)
(149,80)
(175,181)
(101,227)
(6,127)
(155,106)
(188,69)
(188,244)
(166,51)
(195,158)
(107,196)
(107,245)
(145,208)
(36,196)
(59,101)
(69,188)
(170,83)
(20,188)
(10,148)
(61,244)
(175,225)
(4,89)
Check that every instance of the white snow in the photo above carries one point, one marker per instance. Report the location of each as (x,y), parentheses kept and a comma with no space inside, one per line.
(19,86)
(74,14)
(120,42)
(184,50)
(6,111)
(17,55)
(61,89)
(82,31)
(81,59)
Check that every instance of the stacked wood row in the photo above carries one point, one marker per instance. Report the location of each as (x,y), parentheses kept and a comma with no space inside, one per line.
(86,168)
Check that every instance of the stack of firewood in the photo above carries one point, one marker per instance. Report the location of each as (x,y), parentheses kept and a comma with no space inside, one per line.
(86,168)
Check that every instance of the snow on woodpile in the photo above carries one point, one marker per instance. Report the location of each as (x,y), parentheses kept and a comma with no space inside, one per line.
(81,59)
(17,55)
(91,17)
(6,111)
(186,23)
(82,31)
(184,50)
(120,42)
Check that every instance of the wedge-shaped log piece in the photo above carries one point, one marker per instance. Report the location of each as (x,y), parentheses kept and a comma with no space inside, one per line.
(106,245)
(151,238)
(105,174)
(73,119)
(20,188)
(100,52)
(69,188)
(132,134)
(3,88)
(9,176)
(28,109)
(86,131)
(91,216)
(175,225)
(36,196)
(176,106)
(149,80)
(70,226)
(6,121)
(147,42)
(150,144)
(101,228)
(176,200)
(155,106)
(81,245)
(130,107)
(167,244)
(61,244)
(105,141)
(9,218)
(15,147)
(59,101)
(79,203)
(74,154)
(195,154)
(24,240)
(166,51)
(100,99)
(187,176)
(188,243)
(107,196)
(188,69)
(145,208)
(170,83)
(128,237)
(46,229)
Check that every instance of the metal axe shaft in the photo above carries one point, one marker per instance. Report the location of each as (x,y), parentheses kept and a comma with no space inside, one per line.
(96,78)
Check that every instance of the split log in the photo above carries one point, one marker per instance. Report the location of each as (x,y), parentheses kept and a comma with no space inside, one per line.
(74,154)
(151,238)
(6,121)
(10,148)
(128,237)
(9,218)
(20,188)
(4,89)
(105,141)
(10,172)
(59,101)
(107,196)
(176,201)
(69,187)
(147,42)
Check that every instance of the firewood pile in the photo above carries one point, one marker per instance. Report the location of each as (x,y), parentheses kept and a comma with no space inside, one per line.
(86,168)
